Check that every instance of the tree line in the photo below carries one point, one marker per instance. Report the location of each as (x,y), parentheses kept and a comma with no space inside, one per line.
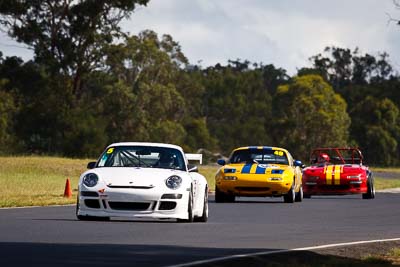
(90,84)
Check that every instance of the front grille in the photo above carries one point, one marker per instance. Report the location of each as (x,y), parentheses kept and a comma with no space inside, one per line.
(167,205)
(89,194)
(92,203)
(128,205)
(252,189)
(130,186)
(335,187)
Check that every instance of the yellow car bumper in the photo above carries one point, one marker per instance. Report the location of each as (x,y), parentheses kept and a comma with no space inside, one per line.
(253,187)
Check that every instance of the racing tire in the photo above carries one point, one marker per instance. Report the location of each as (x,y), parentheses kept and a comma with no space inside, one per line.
(230,198)
(306,196)
(220,197)
(204,216)
(299,195)
(190,210)
(290,196)
(370,189)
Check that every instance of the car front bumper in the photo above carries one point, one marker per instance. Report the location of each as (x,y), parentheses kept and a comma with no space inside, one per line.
(312,188)
(256,188)
(133,203)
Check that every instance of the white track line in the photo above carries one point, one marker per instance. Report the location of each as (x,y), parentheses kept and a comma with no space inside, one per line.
(194,263)
(31,207)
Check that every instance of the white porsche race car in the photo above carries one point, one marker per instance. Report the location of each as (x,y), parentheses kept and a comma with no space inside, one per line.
(143,180)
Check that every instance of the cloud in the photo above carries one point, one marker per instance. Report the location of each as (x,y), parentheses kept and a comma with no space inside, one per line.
(285,33)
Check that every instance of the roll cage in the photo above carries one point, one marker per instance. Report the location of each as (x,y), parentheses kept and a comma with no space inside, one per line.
(349,155)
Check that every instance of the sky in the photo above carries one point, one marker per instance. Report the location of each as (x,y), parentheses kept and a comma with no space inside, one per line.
(285,33)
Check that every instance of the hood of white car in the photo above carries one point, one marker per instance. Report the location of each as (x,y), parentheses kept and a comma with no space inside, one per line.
(127,176)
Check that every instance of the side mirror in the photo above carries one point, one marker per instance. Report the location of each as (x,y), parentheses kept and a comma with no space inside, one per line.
(193,168)
(298,163)
(91,165)
(221,162)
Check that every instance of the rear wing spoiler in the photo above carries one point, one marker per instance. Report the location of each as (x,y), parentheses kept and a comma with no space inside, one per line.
(197,157)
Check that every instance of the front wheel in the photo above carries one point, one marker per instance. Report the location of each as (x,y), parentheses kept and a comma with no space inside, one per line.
(299,195)
(190,209)
(290,196)
(370,189)
(204,216)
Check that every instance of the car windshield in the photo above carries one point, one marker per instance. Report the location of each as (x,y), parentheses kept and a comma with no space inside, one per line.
(260,156)
(336,156)
(142,156)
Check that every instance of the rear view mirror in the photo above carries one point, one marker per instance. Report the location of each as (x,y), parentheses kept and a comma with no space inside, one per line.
(221,162)
(143,152)
(192,168)
(91,165)
(298,163)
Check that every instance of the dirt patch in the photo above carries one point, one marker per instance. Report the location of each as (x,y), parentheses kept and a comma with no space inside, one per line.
(366,255)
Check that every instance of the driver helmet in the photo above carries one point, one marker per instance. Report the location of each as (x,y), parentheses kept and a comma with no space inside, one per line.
(323,157)
(166,160)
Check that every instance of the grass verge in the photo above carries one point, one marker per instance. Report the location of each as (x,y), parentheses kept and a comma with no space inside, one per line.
(368,255)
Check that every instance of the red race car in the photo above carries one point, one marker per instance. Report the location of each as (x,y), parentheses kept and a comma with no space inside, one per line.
(338,171)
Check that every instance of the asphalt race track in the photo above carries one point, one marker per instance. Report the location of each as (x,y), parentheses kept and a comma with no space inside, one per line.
(51,236)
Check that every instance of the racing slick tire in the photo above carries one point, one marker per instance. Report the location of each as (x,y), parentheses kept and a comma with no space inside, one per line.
(290,196)
(299,195)
(306,196)
(190,209)
(370,188)
(221,197)
(204,216)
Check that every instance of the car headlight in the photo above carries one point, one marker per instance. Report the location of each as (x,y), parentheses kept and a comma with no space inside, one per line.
(90,179)
(230,178)
(173,182)
(357,176)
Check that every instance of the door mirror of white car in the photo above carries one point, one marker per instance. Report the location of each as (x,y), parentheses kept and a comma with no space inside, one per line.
(91,165)
(193,168)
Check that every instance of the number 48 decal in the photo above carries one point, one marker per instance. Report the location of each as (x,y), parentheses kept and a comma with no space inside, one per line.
(278,153)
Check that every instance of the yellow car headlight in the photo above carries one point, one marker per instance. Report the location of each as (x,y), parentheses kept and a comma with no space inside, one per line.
(230,178)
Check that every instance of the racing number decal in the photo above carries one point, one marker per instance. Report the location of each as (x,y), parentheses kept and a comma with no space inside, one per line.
(278,153)
(332,174)
(110,150)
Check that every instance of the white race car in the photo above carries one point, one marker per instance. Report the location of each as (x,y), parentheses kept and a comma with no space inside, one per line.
(143,180)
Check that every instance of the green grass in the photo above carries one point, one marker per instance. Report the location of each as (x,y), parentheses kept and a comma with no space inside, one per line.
(380,169)
(32,181)
(209,172)
(382,183)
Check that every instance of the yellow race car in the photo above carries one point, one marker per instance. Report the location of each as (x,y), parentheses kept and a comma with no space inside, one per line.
(259,171)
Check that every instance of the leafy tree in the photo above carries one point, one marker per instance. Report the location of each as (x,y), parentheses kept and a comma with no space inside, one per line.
(237,106)
(376,127)
(147,69)
(343,67)
(66,36)
(309,114)
(7,113)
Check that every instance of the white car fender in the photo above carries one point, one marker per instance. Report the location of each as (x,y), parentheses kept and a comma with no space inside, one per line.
(201,184)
